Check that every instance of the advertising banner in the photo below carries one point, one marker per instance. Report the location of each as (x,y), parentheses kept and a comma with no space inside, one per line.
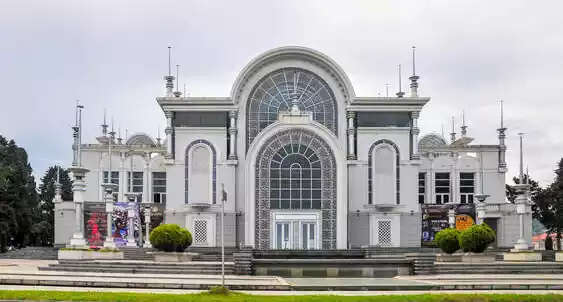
(435,219)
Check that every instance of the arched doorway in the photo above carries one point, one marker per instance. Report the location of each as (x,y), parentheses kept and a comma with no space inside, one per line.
(295,192)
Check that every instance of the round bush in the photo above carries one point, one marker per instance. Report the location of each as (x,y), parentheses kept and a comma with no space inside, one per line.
(170,238)
(476,238)
(448,240)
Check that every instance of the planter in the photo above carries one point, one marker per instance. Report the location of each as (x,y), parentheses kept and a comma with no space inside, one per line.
(477,258)
(522,256)
(89,255)
(448,257)
(173,256)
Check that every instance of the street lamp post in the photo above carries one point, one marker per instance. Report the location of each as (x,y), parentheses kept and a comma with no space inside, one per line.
(223,200)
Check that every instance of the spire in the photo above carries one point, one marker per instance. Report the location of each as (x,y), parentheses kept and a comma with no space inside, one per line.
(158,139)
(521,158)
(442,130)
(501,137)
(177,93)
(414,78)
(452,134)
(105,125)
(75,138)
(79,147)
(119,139)
(184,89)
(463,125)
(58,197)
(387,90)
(400,94)
(126,134)
(169,78)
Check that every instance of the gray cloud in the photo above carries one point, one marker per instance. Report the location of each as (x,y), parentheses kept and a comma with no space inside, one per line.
(109,54)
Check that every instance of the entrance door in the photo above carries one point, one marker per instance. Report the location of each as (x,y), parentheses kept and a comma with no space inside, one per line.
(308,236)
(283,236)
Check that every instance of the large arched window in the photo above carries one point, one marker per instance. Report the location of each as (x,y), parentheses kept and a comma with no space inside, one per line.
(384,177)
(296,170)
(273,92)
(201,172)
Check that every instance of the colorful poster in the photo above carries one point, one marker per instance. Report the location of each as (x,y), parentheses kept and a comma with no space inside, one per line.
(95,223)
(435,218)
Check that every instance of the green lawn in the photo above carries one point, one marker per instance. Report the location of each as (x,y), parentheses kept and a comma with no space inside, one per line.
(105,296)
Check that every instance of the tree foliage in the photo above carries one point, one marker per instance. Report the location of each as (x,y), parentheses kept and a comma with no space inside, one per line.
(18,195)
(548,205)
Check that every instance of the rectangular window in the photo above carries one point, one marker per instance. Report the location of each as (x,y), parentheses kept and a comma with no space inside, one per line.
(137,184)
(466,187)
(114,179)
(159,187)
(442,187)
(421,187)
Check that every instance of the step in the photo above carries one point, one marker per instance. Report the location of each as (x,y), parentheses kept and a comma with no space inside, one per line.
(139,271)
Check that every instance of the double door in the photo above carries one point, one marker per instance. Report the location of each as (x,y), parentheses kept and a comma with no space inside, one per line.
(295,235)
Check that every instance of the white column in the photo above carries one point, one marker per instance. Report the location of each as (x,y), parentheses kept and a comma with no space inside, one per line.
(78,189)
(233,135)
(430,185)
(146,198)
(453,180)
(351,131)
(147,243)
(131,223)
(149,184)
(415,131)
(109,212)
(168,131)
(122,179)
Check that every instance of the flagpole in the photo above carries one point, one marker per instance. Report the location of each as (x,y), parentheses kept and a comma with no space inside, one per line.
(223,199)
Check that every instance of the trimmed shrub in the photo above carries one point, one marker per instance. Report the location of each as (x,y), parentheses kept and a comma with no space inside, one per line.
(220,290)
(448,240)
(548,243)
(170,238)
(476,238)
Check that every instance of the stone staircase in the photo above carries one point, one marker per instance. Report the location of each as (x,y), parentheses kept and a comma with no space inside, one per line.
(133,253)
(212,254)
(140,267)
(499,268)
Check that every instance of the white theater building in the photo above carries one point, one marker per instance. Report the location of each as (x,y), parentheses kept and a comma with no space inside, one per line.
(306,163)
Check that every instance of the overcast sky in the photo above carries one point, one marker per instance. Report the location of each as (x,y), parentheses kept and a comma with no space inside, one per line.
(113,54)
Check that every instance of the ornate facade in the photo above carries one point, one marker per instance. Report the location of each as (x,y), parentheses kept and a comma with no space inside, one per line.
(302,162)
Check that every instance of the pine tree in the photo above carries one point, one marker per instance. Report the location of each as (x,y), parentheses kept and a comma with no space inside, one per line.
(18,194)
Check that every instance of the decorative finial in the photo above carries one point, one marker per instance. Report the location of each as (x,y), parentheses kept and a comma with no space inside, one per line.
(400,94)
(177,93)
(185,90)
(463,125)
(502,114)
(414,78)
(119,139)
(79,148)
(521,158)
(158,139)
(58,197)
(169,78)
(452,135)
(387,90)
(105,125)
(126,134)
(442,128)
(527,176)
(169,60)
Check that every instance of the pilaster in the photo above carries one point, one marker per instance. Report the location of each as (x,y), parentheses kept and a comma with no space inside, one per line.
(233,135)
(351,133)
(168,131)
(415,131)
